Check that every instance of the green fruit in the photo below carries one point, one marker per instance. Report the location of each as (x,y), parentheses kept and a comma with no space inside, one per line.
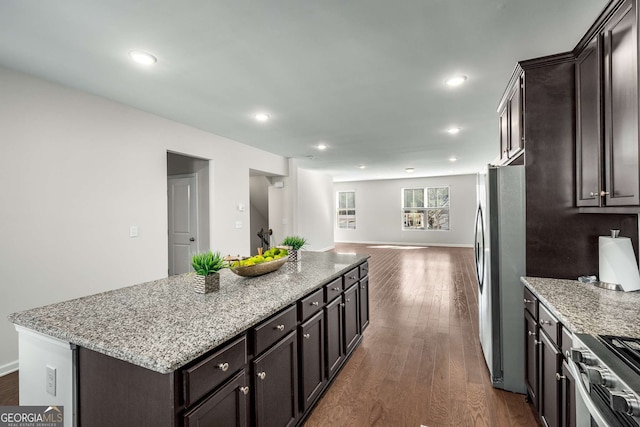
(268,259)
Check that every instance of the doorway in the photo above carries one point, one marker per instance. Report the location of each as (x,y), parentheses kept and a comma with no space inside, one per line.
(188,210)
(258,211)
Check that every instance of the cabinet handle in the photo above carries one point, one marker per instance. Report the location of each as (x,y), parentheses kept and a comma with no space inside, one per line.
(280,327)
(307,336)
(336,289)
(592,194)
(362,287)
(531,333)
(315,303)
(342,304)
(348,299)
(545,322)
(559,377)
(244,390)
(223,367)
(527,301)
(262,375)
(353,277)
(536,342)
(604,193)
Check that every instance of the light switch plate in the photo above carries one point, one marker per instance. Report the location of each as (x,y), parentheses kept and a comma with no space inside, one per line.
(51,380)
(133,231)
(238,224)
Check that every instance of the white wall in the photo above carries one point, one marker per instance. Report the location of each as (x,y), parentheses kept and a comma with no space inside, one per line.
(378,212)
(76,171)
(315,209)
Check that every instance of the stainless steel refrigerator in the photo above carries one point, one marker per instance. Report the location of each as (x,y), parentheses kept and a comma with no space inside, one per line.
(500,262)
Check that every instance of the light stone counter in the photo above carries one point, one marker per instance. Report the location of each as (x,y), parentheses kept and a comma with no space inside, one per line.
(163,325)
(586,309)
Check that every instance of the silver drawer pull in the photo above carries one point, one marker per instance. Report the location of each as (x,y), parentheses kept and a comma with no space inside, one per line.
(545,322)
(336,289)
(536,342)
(342,304)
(348,299)
(527,301)
(559,377)
(223,367)
(362,287)
(307,336)
(353,277)
(315,303)
(244,390)
(280,327)
(262,375)
(531,333)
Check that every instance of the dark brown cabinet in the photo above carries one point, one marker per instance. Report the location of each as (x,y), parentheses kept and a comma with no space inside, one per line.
(511,120)
(550,371)
(312,369)
(607,155)
(334,342)
(351,321)
(275,375)
(364,303)
(227,407)
(531,358)
(568,407)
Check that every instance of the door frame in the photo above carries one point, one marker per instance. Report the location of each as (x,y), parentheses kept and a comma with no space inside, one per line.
(193,175)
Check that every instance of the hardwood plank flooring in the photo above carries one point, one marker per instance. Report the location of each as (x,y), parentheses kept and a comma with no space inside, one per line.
(420,362)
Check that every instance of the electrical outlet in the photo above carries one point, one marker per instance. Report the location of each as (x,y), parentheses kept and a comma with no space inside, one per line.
(51,380)
(238,224)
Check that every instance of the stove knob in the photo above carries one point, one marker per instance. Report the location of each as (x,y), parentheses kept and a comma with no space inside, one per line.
(625,402)
(582,355)
(601,376)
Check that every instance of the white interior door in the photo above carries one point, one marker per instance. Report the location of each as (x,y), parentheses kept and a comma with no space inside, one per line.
(183,222)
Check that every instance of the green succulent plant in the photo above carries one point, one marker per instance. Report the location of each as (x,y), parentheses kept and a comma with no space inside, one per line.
(295,242)
(207,263)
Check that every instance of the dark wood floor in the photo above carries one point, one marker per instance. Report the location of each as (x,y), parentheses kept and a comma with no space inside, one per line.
(420,361)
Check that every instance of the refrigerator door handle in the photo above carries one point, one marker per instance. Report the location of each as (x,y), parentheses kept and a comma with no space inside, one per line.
(479,247)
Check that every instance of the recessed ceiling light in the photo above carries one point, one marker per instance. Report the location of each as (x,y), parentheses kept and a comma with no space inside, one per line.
(262,117)
(452,159)
(321,146)
(143,58)
(362,167)
(455,81)
(453,130)
(409,170)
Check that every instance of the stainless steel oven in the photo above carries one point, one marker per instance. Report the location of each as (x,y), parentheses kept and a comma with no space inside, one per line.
(607,373)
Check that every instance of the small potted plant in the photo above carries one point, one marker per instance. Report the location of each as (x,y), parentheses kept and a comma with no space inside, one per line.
(206,266)
(294,245)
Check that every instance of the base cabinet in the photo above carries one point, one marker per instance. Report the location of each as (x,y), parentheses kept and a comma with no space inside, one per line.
(312,370)
(568,397)
(364,303)
(550,371)
(275,375)
(225,408)
(334,337)
(351,321)
(531,358)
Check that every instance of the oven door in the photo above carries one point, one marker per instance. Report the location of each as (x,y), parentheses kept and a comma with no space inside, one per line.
(592,403)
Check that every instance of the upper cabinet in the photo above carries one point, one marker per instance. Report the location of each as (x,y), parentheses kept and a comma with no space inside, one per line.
(511,119)
(607,138)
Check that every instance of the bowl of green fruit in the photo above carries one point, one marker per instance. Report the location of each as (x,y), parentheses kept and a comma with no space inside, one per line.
(269,261)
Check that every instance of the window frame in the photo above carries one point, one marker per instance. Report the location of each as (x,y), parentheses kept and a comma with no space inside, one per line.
(349,218)
(422,222)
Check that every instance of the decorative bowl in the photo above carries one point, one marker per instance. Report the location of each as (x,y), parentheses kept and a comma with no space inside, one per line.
(259,269)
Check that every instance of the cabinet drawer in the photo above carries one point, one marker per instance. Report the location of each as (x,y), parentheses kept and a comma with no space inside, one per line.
(351,277)
(216,407)
(548,323)
(203,377)
(531,303)
(273,329)
(333,289)
(311,304)
(364,269)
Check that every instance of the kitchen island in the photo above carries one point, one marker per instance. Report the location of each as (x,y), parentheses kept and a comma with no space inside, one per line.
(156,353)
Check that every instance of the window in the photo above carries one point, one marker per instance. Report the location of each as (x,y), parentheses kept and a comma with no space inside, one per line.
(425,213)
(346,209)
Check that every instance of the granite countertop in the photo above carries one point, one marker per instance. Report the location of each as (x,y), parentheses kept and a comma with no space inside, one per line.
(163,325)
(586,309)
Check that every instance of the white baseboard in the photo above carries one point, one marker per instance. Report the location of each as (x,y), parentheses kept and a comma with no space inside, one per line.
(8,368)
(445,245)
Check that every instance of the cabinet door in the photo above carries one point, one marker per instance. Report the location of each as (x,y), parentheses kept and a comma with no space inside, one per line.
(621,107)
(364,303)
(531,357)
(276,384)
(516,130)
(568,398)
(504,132)
(311,359)
(549,395)
(351,322)
(333,336)
(225,408)
(589,124)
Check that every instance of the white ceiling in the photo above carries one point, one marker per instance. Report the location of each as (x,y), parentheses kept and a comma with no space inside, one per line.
(364,76)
